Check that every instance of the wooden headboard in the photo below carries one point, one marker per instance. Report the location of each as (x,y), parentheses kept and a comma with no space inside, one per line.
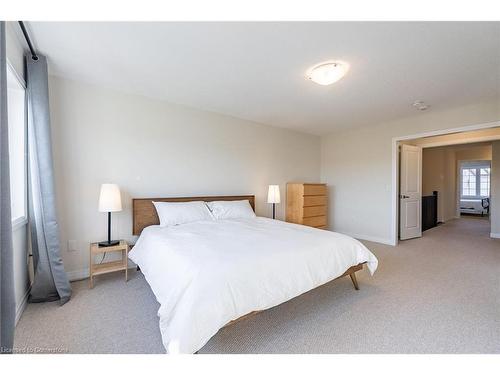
(144,212)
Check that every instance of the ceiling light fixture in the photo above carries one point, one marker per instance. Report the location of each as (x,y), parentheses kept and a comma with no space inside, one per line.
(421,105)
(327,72)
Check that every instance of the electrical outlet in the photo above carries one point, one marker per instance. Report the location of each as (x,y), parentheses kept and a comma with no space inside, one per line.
(71,245)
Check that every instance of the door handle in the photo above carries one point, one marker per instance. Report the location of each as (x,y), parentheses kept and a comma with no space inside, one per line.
(404,196)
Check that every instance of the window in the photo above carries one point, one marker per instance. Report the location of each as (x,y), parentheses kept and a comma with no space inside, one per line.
(475,179)
(16,108)
(484,180)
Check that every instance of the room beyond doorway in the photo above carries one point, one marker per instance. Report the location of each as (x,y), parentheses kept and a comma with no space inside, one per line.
(458,177)
(454,175)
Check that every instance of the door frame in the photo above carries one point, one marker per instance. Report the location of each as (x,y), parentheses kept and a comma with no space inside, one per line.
(395,164)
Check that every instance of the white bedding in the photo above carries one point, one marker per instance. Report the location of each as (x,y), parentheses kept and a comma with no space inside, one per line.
(207,273)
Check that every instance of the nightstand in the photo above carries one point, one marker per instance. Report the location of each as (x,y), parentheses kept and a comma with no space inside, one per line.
(100,269)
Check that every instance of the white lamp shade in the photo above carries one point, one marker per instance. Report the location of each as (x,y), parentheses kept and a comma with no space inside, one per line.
(110,199)
(273,194)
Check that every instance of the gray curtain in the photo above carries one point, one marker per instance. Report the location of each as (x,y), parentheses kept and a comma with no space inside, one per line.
(50,282)
(7,299)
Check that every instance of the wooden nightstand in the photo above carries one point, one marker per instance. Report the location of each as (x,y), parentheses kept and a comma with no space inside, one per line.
(100,269)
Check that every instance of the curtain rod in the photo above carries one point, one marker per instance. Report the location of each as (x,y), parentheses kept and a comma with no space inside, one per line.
(28,40)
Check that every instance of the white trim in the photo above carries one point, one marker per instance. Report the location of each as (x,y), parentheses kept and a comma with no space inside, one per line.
(485,138)
(19,78)
(395,165)
(495,235)
(460,129)
(395,191)
(385,241)
(469,163)
(19,223)
(78,274)
(22,305)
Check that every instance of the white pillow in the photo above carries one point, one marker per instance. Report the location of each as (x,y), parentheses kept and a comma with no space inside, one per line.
(231,209)
(175,213)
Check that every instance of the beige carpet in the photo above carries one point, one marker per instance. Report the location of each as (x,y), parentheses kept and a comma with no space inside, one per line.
(436,294)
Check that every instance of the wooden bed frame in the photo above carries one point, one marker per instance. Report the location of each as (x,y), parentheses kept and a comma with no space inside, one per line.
(351,272)
(144,214)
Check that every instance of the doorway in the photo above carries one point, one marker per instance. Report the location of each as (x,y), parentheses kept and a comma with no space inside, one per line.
(447,176)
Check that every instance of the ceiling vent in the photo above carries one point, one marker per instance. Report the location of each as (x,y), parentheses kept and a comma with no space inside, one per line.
(421,105)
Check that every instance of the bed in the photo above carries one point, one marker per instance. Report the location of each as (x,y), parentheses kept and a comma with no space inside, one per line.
(208,274)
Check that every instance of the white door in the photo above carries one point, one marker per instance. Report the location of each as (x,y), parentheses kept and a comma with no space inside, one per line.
(410,192)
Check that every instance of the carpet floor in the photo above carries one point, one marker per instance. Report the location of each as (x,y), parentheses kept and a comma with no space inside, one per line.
(435,294)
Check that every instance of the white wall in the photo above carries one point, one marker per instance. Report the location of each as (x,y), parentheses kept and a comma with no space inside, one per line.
(156,149)
(15,54)
(357,165)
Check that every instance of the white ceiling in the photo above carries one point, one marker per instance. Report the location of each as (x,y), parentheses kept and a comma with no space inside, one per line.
(255,71)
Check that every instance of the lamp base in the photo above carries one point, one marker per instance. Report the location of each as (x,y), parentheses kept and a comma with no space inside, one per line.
(108,243)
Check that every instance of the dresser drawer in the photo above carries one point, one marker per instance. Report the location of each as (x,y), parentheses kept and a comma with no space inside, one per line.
(314,189)
(319,200)
(307,204)
(314,211)
(315,221)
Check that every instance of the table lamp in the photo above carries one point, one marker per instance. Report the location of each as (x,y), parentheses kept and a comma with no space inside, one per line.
(109,201)
(273,196)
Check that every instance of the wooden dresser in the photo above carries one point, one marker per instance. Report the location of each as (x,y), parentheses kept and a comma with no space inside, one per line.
(307,204)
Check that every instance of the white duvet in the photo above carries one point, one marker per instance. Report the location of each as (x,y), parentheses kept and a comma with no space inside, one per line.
(207,273)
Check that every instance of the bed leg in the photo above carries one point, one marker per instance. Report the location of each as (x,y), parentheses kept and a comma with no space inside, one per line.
(354,280)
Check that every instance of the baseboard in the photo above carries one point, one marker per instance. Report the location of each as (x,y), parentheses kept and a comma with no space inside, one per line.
(384,241)
(78,274)
(22,306)
(495,235)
